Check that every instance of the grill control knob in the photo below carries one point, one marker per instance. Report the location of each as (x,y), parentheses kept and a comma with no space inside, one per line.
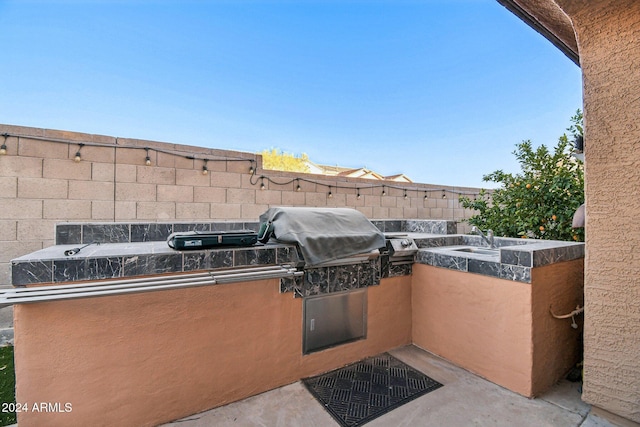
(405,243)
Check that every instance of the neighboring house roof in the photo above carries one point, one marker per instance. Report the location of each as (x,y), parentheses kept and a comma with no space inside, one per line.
(325,169)
(399,178)
(354,173)
(362,173)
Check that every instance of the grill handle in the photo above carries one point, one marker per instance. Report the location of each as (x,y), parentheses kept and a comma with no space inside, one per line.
(141,285)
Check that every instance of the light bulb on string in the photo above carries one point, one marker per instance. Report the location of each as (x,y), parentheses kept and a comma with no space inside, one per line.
(3,147)
(78,156)
(147,160)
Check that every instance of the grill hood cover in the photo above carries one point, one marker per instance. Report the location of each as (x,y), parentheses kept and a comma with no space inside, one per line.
(324,234)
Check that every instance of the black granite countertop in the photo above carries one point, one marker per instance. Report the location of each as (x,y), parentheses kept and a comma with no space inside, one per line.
(512,260)
(113,260)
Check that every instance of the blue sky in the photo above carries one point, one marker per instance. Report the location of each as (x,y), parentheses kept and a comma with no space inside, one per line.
(440,90)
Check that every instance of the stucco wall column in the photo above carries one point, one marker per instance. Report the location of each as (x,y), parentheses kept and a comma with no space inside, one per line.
(608,34)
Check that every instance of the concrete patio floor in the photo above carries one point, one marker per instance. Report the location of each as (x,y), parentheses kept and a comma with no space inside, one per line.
(465,400)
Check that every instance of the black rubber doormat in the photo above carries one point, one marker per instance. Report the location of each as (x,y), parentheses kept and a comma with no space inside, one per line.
(362,391)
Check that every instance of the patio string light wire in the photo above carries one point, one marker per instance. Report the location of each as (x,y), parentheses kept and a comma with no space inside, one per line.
(148,150)
(428,193)
(254,178)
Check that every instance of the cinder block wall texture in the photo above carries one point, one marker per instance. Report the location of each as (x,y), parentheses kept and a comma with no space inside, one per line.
(41,185)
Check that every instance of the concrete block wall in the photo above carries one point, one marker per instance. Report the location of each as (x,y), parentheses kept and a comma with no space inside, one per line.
(42,185)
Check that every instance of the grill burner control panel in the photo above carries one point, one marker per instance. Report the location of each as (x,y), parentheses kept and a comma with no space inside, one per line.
(401,247)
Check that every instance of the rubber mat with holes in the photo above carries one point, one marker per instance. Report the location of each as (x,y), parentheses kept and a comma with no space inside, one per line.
(362,391)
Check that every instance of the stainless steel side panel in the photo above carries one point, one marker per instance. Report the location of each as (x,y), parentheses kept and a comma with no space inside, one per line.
(131,285)
(334,319)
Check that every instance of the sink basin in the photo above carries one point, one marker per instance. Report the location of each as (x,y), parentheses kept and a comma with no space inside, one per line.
(481,251)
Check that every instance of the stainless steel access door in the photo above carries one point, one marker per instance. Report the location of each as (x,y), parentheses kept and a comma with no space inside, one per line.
(334,319)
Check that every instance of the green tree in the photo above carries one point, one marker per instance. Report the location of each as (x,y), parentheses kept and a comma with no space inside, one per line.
(538,202)
(275,159)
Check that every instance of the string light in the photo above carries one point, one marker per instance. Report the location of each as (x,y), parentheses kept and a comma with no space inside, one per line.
(357,190)
(3,147)
(147,160)
(78,157)
(252,169)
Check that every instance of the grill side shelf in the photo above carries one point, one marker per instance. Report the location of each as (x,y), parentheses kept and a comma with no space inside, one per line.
(139,285)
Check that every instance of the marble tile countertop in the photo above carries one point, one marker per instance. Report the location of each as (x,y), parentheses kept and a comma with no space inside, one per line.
(115,260)
(112,250)
(512,259)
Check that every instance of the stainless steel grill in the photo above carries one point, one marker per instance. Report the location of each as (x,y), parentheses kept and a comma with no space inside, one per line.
(401,249)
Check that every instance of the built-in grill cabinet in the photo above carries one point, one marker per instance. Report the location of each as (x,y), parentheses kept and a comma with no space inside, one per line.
(334,319)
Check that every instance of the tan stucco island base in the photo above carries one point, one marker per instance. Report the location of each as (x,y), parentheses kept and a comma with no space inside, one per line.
(500,329)
(143,359)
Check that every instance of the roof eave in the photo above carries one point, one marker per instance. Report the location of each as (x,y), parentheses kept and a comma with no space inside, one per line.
(544,29)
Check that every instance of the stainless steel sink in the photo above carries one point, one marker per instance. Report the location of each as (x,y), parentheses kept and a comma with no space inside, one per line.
(480,251)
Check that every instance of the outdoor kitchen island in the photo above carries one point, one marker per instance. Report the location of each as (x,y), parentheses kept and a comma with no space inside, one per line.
(147,358)
(491,311)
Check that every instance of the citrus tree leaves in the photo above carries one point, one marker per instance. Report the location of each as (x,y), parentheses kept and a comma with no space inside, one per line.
(539,202)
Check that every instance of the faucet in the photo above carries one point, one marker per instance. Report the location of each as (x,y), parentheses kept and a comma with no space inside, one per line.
(488,238)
